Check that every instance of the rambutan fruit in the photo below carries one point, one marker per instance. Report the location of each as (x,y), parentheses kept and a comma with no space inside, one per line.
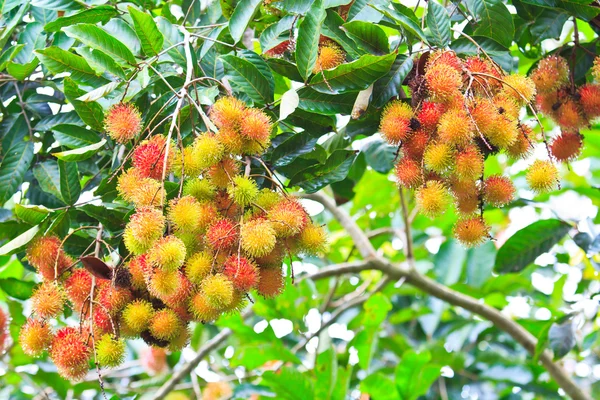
(484,114)
(238,303)
(551,74)
(312,239)
(180,341)
(163,283)
(288,217)
(256,126)
(542,176)
(567,146)
(241,272)
(455,127)
(266,199)
(48,300)
(521,148)
(330,56)
(471,231)
(35,337)
(149,155)
(272,260)
(202,190)
(443,82)
(154,360)
(446,58)
(144,228)
(596,69)
(279,50)
(222,234)
(271,282)
(415,145)
(137,315)
(199,266)
(232,141)
(242,190)
(504,133)
(498,190)
(409,173)
(207,150)
(128,183)
(469,163)
(138,267)
(549,102)
(218,291)
(70,353)
(569,115)
(184,214)
(181,295)
(507,107)
(165,324)
(78,287)
(110,351)
(257,237)
(202,310)
(168,253)
(433,198)
(221,173)
(133,187)
(227,112)
(113,298)
(482,84)
(395,124)
(102,321)
(123,122)
(519,88)
(429,115)
(467,205)
(47,257)
(589,98)
(439,156)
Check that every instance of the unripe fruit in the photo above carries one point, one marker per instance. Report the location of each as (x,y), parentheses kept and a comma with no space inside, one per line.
(220,174)
(208,150)
(137,315)
(243,190)
(439,157)
(271,282)
(78,287)
(469,164)
(256,126)
(433,198)
(395,122)
(70,353)
(313,239)
(596,69)
(227,112)
(133,187)
(522,147)
(202,310)
(218,291)
(257,237)
(199,266)
(241,272)
(266,199)
(185,162)
(504,133)
(567,146)
(409,173)
(48,300)
(472,231)
(498,190)
(232,141)
(149,155)
(456,127)
(165,325)
(201,189)
(222,234)
(110,351)
(144,228)
(181,295)
(542,176)
(550,74)
(48,257)
(123,122)
(35,337)
(168,253)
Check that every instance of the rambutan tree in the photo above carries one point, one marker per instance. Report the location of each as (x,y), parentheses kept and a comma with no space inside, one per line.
(286,199)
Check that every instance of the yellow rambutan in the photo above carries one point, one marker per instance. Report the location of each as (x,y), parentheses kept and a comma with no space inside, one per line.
(408,172)
(313,239)
(202,190)
(70,353)
(567,146)
(184,214)
(257,237)
(330,56)
(395,122)
(484,114)
(456,127)
(242,190)
(35,337)
(433,198)
(137,315)
(507,107)
(207,150)
(168,253)
(542,176)
(551,74)
(469,163)
(123,122)
(439,156)
(47,257)
(443,82)
(165,324)
(596,69)
(222,173)
(199,266)
(217,290)
(521,148)
(471,231)
(186,162)
(288,217)
(589,98)
(178,343)
(163,283)
(110,351)
(227,112)
(498,190)
(144,228)
(222,234)
(519,88)
(181,295)
(48,300)
(271,282)
(202,310)
(266,199)
(149,192)
(504,133)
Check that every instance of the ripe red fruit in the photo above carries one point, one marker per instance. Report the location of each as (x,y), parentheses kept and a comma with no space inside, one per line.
(70,353)
(222,234)
(148,157)
(429,115)
(280,49)
(78,287)
(567,146)
(498,190)
(409,173)
(415,145)
(589,96)
(242,273)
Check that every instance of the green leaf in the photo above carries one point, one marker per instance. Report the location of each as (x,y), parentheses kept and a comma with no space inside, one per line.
(390,84)
(368,36)
(326,368)
(548,25)
(17,154)
(380,155)
(376,310)
(58,61)
(332,29)
(9,54)
(17,288)
(21,71)
(326,104)
(577,9)
(99,92)
(522,248)
(111,217)
(80,154)
(61,5)
(91,16)
(495,50)
(379,387)
(354,76)
(542,341)
(414,374)
(248,79)
(241,17)
(30,214)
(95,37)
(438,22)
(271,36)
(285,68)
(561,338)
(147,31)
(449,262)
(293,147)
(307,44)
(70,188)
(316,177)
(48,177)
(47,123)
(100,62)
(289,384)
(8,26)
(495,21)
(74,136)
(19,242)
(480,263)
(90,112)
(403,22)
(172,36)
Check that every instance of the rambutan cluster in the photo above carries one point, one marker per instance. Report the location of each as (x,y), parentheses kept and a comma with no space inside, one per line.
(462,111)
(191,258)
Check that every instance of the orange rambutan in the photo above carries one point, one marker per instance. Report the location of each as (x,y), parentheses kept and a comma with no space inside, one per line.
(504,133)
(549,102)
(168,253)
(102,321)
(542,176)
(507,107)
(439,156)
(481,83)
(35,337)
(137,315)
(113,298)
(589,98)
(218,291)
(288,217)
(202,310)
(48,300)
(221,173)
(519,88)
(256,125)
(149,156)
(271,282)
(567,146)
(498,190)
(409,173)
(522,147)
(232,140)
(433,198)
(330,56)
(469,163)
(78,287)
(456,127)
(123,122)
(484,114)
(162,283)
(181,295)
(429,115)
(257,237)
(137,267)
(550,74)
(47,257)
(145,227)
(313,239)
(569,115)
(272,260)
(446,58)
(165,324)
(70,353)
(227,112)
(222,234)
(471,231)
(467,204)
(596,69)
(443,82)
(395,124)
(241,272)
(415,145)
(140,191)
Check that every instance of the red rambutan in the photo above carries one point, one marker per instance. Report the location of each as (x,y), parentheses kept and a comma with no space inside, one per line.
(589,96)
(409,173)
(498,190)
(222,234)
(48,257)
(242,273)
(70,353)
(78,287)
(149,155)
(567,146)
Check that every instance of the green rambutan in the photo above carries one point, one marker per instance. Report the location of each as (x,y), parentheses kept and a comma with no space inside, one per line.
(218,291)
(110,351)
